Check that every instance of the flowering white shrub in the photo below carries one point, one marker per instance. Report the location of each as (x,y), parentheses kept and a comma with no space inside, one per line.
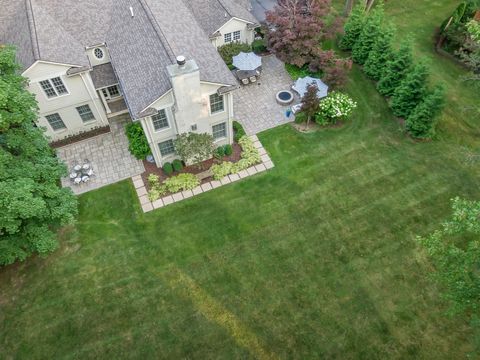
(334,107)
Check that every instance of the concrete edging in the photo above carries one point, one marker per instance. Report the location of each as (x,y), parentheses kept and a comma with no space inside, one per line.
(148,205)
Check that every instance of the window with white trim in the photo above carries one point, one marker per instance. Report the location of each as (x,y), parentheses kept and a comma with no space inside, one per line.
(85,113)
(227,38)
(219,131)
(216,103)
(55,121)
(111,92)
(53,87)
(167,147)
(160,120)
(236,35)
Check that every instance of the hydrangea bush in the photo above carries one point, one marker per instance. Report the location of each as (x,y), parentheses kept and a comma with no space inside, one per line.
(334,107)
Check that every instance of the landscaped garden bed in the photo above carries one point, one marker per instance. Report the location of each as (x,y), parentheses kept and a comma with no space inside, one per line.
(81,136)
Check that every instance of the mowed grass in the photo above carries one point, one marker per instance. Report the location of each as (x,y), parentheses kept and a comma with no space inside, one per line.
(313,259)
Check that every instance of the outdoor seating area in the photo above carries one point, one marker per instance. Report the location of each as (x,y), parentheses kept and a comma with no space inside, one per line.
(81,173)
(248,67)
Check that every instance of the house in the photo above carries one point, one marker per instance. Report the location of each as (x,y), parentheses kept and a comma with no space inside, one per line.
(89,61)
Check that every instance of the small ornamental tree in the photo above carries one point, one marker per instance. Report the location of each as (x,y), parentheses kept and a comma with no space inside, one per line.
(381,53)
(297,29)
(396,69)
(370,32)
(421,122)
(353,27)
(411,91)
(335,70)
(194,148)
(310,102)
(32,203)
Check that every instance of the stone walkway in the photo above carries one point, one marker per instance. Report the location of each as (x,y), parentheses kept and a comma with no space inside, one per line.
(108,153)
(255,106)
(147,205)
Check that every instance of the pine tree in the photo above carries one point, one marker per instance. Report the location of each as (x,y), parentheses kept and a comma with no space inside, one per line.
(370,32)
(411,91)
(353,27)
(396,69)
(381,53)
(421,122)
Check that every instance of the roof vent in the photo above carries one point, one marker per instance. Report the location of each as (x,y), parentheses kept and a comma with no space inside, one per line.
(181,60)
(131,11)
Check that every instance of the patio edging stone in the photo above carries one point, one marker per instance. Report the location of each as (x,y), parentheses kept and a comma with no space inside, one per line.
(148,205)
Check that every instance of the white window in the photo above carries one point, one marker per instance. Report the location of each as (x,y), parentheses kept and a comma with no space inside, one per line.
(55,121)
(219,131)
(85,113)
(227,38)
(98,53)
(236,35)
(167,147)
(53,87)
(111,92)
(216,103)
(160,120)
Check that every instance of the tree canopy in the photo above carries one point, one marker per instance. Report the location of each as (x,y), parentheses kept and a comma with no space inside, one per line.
(32,203)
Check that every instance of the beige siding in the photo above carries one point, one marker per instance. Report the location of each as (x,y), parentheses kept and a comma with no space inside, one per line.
(246,35)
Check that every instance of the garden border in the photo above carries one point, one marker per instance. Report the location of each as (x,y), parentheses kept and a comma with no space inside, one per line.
(148,205)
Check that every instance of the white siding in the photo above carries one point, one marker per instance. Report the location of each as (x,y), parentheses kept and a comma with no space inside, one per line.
(246,35)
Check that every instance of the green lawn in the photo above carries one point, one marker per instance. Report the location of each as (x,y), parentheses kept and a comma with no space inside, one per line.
(313,259)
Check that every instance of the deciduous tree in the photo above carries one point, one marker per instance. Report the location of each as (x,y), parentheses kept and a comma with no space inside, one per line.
(310,102)
(411,91)
(194,148)
(32,203)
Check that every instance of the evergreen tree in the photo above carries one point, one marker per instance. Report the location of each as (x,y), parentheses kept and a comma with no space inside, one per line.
(370,32)
(353,27)
(381,53)
(421,122)
(411,91)
(32,204)
(396,69)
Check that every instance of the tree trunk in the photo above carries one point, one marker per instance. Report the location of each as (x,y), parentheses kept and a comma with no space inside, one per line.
(308,122)
(368,5)
(348,7)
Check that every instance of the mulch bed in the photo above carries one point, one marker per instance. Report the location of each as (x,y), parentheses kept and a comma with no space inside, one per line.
(151,168)
(79,137)
(313,126)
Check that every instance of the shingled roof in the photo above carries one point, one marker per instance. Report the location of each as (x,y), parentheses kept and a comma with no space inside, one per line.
(140,47)
(213,14)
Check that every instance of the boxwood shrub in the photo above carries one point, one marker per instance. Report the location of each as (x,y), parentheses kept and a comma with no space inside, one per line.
(228,149)
(177,165)
(167,168)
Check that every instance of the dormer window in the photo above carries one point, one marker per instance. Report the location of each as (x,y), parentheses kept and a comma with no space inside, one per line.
(53,87)
(99,54)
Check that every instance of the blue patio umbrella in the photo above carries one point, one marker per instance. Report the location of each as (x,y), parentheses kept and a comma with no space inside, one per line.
(301,86)
(247,61)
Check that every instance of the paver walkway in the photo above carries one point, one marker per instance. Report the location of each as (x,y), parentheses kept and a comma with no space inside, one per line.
(255,106)
(108,153)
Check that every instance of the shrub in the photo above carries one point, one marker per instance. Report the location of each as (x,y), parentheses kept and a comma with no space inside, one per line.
(167,168)
(228,51)
(334,107)
(221,170)
(193,147)
(180,182)
(300,117)
(296,72)
(219,152)
(177,165)
(138,144)
(228,149)
(153,180)
(259,46)
(155,192)
(249,151)
(238,130)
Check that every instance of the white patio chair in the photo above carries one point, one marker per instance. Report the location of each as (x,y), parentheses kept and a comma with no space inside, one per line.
(245,81)
(253,79)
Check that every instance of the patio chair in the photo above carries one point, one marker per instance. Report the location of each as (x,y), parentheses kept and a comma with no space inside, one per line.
(253,79)
(245,81)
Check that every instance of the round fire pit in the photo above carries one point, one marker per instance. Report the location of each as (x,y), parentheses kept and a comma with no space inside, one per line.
(284,97)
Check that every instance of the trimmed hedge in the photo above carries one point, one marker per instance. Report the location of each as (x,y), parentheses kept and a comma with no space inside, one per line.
(238,130)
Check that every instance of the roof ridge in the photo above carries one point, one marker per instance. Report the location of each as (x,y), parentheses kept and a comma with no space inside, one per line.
(33,30)
(158,30)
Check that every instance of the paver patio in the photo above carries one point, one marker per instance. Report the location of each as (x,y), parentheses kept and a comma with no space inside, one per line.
(255,106)
(107,153)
